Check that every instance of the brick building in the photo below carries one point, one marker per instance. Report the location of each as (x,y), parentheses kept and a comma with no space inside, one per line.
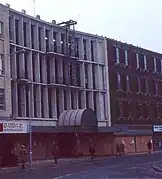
(135,79)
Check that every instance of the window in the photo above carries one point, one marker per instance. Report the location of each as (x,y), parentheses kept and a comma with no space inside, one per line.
(117,55)
(1,27)
(145,63)
(146,85)
(160,66)
(2,99)
(25,33)
(156,87)
(155,67)
(126,57)
(119,81)
(85,48)
(127,83)
(1,64)
(137,60)
(92,50)
(138,84)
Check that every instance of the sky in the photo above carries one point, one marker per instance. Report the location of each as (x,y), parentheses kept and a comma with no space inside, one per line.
(136,22)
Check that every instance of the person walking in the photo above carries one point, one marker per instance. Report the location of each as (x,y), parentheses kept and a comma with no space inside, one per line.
(55,153)
(23,154)
(117,149)
(149,146)
(122,148)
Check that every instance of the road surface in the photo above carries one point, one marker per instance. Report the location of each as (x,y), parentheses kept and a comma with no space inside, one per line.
(139,166)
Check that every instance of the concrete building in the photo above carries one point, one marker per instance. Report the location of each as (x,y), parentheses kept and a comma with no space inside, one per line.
(36,60)
(49,71)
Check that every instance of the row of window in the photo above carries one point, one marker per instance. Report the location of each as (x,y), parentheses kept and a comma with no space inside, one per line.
(141,84)
(122,57)
(124,109)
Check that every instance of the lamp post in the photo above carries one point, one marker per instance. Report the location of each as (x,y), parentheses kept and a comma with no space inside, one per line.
(30,119)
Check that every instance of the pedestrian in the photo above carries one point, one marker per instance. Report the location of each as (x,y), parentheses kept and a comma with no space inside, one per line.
(122,148)
(149,146)
(92,152)
(117,149)
(23,154)
(55,153)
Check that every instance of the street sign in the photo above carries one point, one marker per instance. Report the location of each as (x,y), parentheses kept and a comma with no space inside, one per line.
(157,128)
(13,127)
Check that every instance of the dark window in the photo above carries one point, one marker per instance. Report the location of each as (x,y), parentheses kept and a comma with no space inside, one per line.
(62,43)
(50,102)
(85,49)
(39,38)
(41,67)
(86,75)
(27,101)
(35,100)
(47,40)
(87,99)
(122,55)
(72,101)
(79,99)
(143,85)
(1,64)
(76,47)
(139,110)
(65,99)
(10,28)
(48,69)
(25,33)
(26,65)
(18,64)
(92,50)
(17,31)
(58,102)
(42,99)
(145,111)
(32,35)
(19,100)
(56,70)
(78,74)
(158,65)
(93,76)
(141,61)
(54,42)
(33,66)
(124,83)
(2,99)
(95,101)
(70,46)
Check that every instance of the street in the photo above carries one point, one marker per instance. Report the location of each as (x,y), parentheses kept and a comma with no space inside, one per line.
(136,166)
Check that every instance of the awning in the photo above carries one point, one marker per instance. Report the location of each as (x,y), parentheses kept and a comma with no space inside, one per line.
(85,118)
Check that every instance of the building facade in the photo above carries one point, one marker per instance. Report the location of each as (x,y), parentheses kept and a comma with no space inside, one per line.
(49,69)
(135,78)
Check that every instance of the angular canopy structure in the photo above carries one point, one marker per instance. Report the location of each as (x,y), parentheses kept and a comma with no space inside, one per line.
(78,118)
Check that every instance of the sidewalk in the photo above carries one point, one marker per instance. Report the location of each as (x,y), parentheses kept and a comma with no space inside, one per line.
(66,161)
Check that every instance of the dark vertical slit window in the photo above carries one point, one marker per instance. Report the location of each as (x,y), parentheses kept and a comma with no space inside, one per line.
(86,75)
(48,69)
(27,101)
(41,76)
(32,35)
(62,43)
(124,82)
(18,64)
(76,48)
(56,70)
(35,104)
(39,38)
(25,33)
(10,30)
(54,42)
(69,46)
(87,99)
(26,65)
(158,65)
(19,99)
(17,31)
(141,60)
(2,99)
(65,100)
(79,100)
(95,101)
(85,49)
(33,66)
(93,76)
(92,50)
(47,40)
(42,99)
(78,74)
(122,55)
(57,102)
(72,101)
(50,102)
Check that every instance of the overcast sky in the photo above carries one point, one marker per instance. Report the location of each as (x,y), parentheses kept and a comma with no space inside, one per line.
(138,22)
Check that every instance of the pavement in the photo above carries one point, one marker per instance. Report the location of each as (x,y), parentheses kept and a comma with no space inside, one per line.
(129,166)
